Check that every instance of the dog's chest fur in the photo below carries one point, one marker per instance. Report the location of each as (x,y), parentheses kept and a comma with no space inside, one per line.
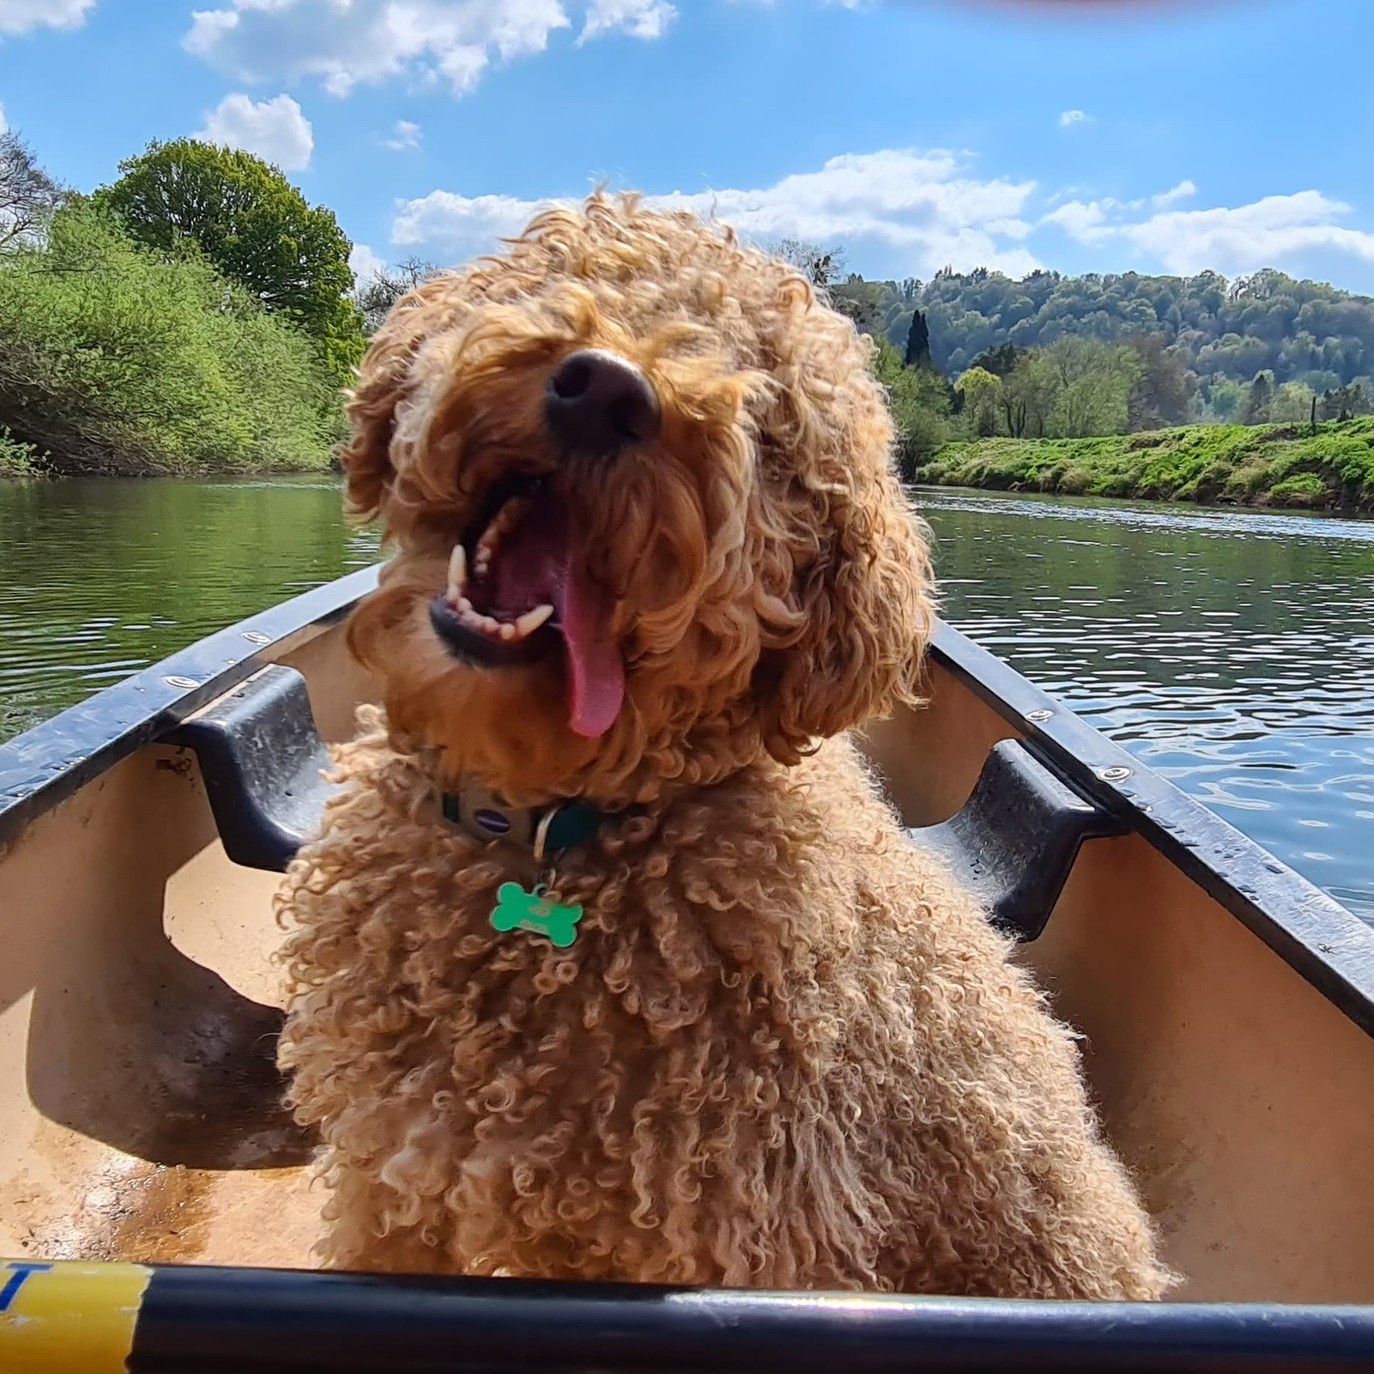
(728,1039)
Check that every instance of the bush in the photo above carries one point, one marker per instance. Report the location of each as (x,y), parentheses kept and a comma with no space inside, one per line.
(117,359)
(17,459)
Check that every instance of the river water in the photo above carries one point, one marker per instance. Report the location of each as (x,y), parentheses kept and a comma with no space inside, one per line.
(1233,651)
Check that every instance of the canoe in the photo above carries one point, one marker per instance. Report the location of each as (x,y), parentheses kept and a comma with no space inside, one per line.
(152,1190)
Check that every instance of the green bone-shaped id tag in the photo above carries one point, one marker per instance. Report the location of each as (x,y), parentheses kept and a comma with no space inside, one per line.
(517,909)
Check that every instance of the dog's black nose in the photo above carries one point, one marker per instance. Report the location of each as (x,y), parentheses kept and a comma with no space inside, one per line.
(597,402)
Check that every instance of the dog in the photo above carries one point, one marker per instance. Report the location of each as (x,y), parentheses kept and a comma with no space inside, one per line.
(611,961)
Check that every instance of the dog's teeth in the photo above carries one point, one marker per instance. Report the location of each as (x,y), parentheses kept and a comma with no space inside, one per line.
(507,631)
(490,624)
(528,623)
(457,570)
(505,520)
(464,605)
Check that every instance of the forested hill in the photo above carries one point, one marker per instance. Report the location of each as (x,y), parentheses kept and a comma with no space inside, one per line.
(1224,332)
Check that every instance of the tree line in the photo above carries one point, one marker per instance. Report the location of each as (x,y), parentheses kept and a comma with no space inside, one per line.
(1124,352)
(193,314)
(197,312)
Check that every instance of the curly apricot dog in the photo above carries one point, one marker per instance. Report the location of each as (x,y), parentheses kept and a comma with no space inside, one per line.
(611,961)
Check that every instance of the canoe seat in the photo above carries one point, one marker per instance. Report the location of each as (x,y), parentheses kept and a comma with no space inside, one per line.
(261,756)
(1013,843)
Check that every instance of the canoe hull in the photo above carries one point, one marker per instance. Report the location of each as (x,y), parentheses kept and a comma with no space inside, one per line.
(1229,1053)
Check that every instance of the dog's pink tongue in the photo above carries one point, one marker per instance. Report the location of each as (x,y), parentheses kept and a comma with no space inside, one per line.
(596,671)
(537,563)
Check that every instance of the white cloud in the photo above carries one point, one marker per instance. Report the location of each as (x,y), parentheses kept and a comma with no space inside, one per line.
(639,18)
(4,123)
(273,129)
(346,43)
(1071,117)
(925,204)
(1233,240)
(405,135)
(1241,239)
(19,16)
(1185,190)
(1079,220)
(365,263)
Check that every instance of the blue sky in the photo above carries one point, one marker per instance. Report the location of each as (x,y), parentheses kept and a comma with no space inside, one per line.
(1102,137)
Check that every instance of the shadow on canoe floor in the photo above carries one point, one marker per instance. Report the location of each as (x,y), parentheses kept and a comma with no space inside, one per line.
(189,1079)
(131,1041)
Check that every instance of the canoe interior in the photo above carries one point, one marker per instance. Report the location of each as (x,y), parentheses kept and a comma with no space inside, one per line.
(139,1102)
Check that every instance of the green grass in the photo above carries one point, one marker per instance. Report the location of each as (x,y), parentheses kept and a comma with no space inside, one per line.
(1331,468)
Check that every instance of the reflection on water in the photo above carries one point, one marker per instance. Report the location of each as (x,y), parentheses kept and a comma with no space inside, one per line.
(1231,651)
(99,578)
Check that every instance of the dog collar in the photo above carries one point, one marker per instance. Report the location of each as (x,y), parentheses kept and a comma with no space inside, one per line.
(543,829)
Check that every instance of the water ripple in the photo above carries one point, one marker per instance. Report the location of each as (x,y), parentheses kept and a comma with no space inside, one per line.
(1242,670)
(102,578)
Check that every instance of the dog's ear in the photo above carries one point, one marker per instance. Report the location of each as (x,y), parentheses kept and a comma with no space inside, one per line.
(384,378)
(859,606)
(366,456)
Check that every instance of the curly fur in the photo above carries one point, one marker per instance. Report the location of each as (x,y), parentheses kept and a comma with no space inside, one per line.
(785,1049)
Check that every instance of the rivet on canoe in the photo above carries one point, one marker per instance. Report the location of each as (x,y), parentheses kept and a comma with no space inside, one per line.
(185,683)
(257,637)
(1116,773)
(1039,716)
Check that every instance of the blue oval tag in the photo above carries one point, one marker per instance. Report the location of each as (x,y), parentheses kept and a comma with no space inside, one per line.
(492,821)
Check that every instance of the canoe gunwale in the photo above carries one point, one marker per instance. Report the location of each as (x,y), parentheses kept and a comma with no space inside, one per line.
(1321,940)
(46,765)
(290,1321)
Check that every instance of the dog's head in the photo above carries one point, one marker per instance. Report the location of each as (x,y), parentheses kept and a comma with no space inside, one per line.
(638,482)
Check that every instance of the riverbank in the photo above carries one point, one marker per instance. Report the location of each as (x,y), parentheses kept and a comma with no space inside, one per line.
(1329,467)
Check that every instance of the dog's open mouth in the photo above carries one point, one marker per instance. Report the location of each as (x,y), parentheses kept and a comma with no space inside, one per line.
(516,585)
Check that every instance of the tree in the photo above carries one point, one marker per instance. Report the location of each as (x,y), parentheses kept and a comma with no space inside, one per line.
(918,342)
(1345,402)
(1211,329)
(254,226)
(820,266)
(1292,404)
(378,295)
(28,195)
(1000,361)
(1163,391)
(1029,396)
(861,300)
(920,406)
(1225,400)
(982,394)
(1094,382)
(1255,411)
